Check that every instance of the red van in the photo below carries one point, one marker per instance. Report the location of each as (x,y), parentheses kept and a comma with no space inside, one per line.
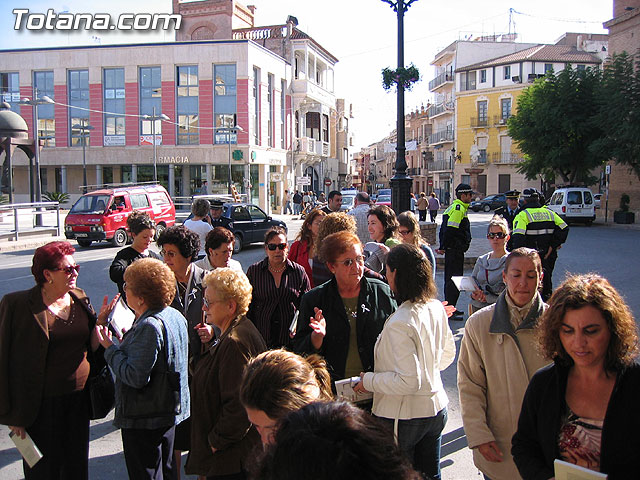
(102,214)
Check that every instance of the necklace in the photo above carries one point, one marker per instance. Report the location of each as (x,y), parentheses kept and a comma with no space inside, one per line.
(277,270)
(70,317)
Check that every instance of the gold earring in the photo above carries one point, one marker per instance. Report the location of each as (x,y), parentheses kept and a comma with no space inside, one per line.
(50,280)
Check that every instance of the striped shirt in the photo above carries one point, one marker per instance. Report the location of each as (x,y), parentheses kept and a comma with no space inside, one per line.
(272,308)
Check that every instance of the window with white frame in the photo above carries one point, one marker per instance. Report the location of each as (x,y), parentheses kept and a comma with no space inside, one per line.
(187,105)
(483,76)
(507,72)
(114,100)
(78,91)
(224,102)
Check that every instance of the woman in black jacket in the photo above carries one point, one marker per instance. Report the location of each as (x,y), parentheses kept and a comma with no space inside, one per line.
(583,409)
(349,305)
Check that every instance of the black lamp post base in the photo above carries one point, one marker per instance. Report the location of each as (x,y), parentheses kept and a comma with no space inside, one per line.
(401,193)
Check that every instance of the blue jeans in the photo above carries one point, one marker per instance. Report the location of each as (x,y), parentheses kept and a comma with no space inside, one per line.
(420,440)
(296,208)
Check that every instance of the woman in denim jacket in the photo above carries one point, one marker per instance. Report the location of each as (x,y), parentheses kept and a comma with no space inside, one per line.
(158,332)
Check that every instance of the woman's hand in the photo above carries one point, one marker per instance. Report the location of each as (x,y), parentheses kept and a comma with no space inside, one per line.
(205,332)
(479,296)
(106,309)
(449,309)
(319,326)
(490,452)
(19,431)
(103,335)
(359,387)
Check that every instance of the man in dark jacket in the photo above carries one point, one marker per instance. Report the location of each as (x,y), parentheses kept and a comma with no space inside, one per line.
(543,230)
(510,211)
(455,238)
(297,203)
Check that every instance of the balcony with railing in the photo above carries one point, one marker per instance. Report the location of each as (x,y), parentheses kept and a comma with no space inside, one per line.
(440,165)
(441,137)
(435,110)
(479,122)
(440,80)
(506,157)
(414,172)
(307,145)
(500,121)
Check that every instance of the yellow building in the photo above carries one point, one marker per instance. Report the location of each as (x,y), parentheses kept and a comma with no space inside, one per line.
(486,97)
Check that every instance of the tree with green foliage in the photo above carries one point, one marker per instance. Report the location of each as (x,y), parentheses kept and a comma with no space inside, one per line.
(553,127)
(619,112)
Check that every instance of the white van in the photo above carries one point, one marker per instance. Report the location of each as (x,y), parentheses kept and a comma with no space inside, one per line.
(573,204)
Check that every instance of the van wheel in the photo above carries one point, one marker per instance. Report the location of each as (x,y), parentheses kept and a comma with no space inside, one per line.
(487,208)
(119,238)
(84,243)
(159,229)
(237,243)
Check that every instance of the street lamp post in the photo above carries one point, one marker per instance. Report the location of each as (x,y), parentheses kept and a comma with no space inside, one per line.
(85,129)
(229,130)
(44,100)
(400,182)
(153,117)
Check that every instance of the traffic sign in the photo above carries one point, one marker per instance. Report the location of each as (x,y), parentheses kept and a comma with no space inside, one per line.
(303,180)
(327,182)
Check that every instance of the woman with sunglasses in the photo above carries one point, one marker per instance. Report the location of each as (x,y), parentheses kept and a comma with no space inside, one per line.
(342,318)
(47,340)
(278,285)
(409,231)
(488,269)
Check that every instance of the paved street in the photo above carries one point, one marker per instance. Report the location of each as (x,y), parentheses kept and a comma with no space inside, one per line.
(604,249)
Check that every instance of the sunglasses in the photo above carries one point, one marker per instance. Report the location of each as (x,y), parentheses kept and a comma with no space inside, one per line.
(273,246)
(69,269)
(496,235)
(404,232)
(350,261)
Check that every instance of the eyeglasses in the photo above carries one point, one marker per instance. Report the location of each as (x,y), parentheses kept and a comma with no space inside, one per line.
(166,253)
(404,232)
(349,261)
(496,235)
(273,246)
(69,269)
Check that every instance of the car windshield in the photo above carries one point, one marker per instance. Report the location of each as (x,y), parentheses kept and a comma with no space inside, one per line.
(90,204)
(383,198)
(347,200)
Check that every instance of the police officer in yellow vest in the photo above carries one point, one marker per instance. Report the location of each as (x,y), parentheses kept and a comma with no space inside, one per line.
(455,238)
(539,228)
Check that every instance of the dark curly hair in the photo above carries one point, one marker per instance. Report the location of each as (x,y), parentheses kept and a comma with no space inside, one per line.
(49,257)
(272,232)
(334,441)
(388,219)
(187,241)
(140,221)
(579,291)
(413,274)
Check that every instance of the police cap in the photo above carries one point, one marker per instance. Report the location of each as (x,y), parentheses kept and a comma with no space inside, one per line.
(512,194)
(216,203)
(463,188)
(530,193)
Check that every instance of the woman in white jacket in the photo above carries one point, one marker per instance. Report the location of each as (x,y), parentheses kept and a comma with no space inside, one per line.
(414,346)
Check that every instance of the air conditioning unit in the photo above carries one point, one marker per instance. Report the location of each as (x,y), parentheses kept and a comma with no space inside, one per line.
(502,121)
(531,77)
(515,79)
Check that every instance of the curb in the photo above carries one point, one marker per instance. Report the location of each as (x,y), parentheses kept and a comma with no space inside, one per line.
(33,243)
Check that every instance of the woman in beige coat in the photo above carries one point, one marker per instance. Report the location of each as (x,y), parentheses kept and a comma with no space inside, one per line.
(497,360)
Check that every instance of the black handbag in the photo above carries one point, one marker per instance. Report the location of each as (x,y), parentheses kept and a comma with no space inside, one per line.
(158,398)
(101,393)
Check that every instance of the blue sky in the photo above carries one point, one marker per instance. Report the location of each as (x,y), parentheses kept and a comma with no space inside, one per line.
(360,33)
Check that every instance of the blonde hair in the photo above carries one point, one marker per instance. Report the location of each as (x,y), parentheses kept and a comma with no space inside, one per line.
(410,222)
(498,221)
(230,284)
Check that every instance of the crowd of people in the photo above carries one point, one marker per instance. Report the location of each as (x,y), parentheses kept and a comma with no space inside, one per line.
(240,370)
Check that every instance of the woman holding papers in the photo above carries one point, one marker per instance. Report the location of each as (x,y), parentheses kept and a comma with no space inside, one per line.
(414,346)
(150,367)
(487,272)
(46,342)
(583,408)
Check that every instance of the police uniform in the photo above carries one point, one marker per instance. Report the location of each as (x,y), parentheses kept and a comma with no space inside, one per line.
(509,215)
(539,228)
(455,238)
(220,221)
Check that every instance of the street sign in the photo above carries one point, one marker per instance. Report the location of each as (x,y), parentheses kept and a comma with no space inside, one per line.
(327,182)
(303,180)
(607,169)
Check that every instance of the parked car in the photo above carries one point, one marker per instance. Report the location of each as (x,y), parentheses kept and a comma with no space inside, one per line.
(102,214)
(384,200)
(347,202)
(248,222)
(488,203)
(573,204)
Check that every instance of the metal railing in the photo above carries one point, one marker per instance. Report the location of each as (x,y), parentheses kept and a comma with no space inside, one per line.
(477,122)
(440,79)
(35,226)
(506,157)
(441,136)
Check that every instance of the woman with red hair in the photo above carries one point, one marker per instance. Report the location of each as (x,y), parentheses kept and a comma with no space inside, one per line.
(46,340)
